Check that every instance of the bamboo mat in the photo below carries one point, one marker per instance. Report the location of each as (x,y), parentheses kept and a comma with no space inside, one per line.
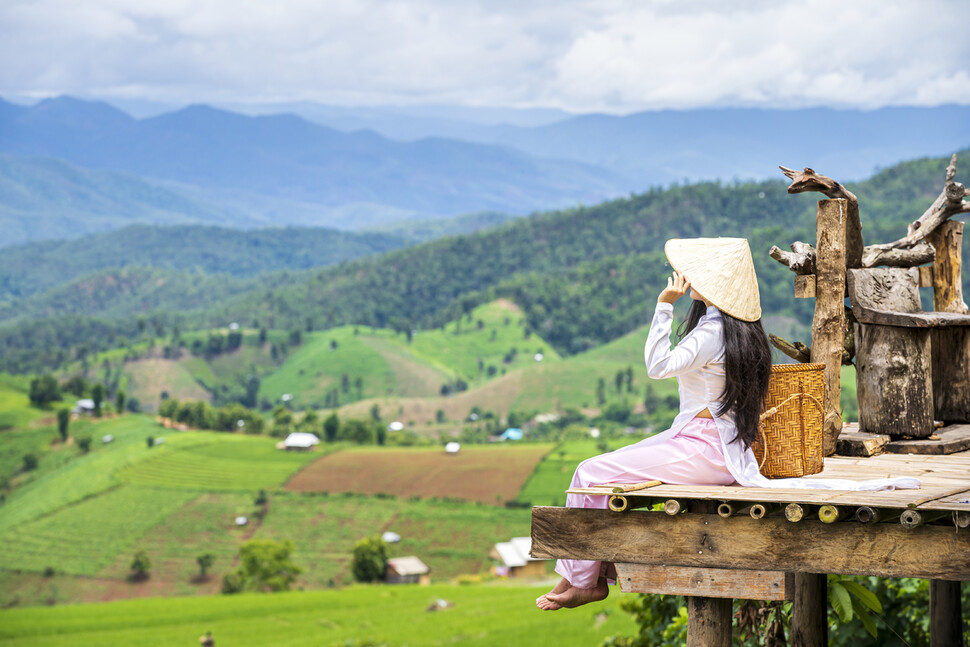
(946,485)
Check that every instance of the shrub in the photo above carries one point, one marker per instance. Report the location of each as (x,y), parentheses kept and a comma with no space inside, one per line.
(141,564)
(370,559)
(84,444)
(30,462)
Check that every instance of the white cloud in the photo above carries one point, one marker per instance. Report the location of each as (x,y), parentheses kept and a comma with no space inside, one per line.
(612,55)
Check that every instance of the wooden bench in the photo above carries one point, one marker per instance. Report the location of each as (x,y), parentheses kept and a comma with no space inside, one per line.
(913,366)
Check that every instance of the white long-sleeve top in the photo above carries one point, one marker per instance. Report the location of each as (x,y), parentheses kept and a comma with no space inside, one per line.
(698,364)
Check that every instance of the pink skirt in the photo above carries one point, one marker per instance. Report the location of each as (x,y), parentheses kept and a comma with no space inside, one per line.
(692,457)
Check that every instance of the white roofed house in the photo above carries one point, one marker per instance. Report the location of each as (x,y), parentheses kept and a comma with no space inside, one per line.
(514,558)
(299,441)
(407,570)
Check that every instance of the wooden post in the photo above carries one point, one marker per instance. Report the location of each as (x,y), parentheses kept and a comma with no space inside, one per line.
(708,622)
(946,617)
(950,345)
(809,627)
(828,325)
(947,239)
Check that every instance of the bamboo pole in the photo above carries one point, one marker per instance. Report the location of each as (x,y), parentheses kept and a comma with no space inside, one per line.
(673,506)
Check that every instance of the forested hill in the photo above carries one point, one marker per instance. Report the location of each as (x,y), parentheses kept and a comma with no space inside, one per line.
(583,276)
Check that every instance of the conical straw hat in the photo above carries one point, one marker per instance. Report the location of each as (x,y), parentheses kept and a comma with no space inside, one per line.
(721,271)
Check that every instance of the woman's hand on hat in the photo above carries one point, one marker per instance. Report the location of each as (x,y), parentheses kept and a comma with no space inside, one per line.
(677,286)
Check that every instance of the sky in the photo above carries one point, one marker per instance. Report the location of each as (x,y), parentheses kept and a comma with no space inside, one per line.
(613,56)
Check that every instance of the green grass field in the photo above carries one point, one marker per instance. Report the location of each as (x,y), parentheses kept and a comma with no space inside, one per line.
(82,538)
(215,461)
(487,615)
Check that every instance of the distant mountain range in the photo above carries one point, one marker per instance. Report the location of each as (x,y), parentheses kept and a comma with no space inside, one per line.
(70,167)
(263,166)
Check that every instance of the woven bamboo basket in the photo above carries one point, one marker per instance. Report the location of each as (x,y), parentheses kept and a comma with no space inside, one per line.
(791,426)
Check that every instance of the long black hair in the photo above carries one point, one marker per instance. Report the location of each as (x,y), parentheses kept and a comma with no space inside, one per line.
(747,367)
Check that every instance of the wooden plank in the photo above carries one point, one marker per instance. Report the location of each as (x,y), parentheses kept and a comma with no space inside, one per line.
(804,286)
(858,443)
(949,440)
(884,550)
(708,582)
(828,323)
(926,276)
(959,502)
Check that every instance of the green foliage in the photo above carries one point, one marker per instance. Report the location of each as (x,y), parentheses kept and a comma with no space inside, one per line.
(370,559)
(84,444)
(63,420)
(265,566)
(30,462)
(205,561)
(44,390)
(662,621)
(331,427)
(120,399)
(141,565)
(97,394)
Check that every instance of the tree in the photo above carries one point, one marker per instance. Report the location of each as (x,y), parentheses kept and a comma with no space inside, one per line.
(600,391)
(63,420)
(120,399)
(370,559)
(44,390)
(375,413)
(84,444)
(264,565)
(97,394)
(141,564)
(357,431)
(205,562)
(30,462)
(330,427)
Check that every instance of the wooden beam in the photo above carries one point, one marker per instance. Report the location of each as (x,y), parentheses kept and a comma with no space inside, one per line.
(828,324)
(809,626)
(926,276)
(805,286)
(707,540)
(706,582)
(946,615)
(708,622)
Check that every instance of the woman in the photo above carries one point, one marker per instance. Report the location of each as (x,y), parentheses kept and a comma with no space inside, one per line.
(722,365)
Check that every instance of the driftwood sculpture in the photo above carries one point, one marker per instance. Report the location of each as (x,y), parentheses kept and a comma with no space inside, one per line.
(928,240)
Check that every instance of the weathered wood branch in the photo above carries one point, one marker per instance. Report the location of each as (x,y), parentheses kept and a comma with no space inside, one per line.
(796,350)
(808,180)
(880,256)
(802,353)
(949,203)
(801,259)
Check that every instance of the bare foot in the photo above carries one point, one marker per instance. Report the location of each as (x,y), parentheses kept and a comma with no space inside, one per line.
(543,601)
(577,597)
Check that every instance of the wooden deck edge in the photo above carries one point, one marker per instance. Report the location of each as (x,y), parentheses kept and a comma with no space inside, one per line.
(708,541)
(951,440)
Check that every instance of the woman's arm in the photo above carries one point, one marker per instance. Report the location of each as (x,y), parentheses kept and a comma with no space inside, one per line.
(698,348)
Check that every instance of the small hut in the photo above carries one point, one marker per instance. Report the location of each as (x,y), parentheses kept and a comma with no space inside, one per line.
(515,558)
(407,570)
(299,441)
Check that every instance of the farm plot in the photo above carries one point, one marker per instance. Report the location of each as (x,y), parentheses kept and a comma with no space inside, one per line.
(83,538)
(217,462)
(491,474)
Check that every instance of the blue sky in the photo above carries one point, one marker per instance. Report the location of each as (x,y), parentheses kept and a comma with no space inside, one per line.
(612,56)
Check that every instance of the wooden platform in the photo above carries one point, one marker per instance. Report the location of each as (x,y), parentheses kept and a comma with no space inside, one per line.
(945,478)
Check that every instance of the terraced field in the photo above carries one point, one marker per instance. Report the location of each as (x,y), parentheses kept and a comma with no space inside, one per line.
(83,538)
(213,462)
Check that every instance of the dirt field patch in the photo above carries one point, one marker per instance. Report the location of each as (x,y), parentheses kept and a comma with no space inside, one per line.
(486,474)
